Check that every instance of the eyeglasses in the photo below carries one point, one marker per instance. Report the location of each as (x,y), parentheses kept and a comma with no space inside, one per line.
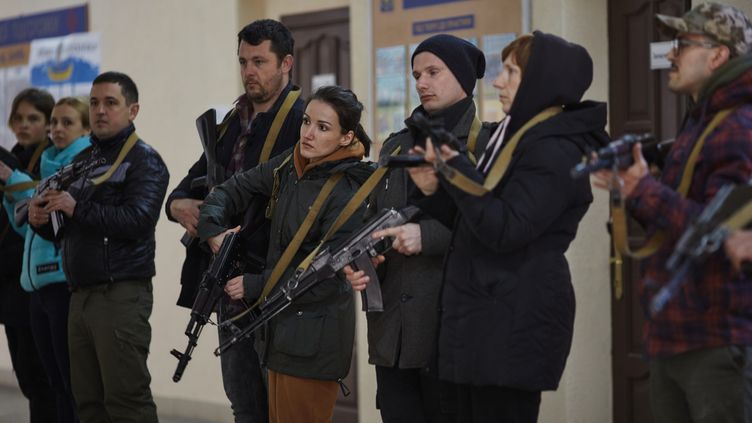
(677,44)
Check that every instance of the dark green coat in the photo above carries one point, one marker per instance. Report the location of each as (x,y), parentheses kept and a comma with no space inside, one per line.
(405,333)
(312,338)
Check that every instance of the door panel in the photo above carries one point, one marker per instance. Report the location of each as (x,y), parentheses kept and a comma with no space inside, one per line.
(322,46)
(639,102)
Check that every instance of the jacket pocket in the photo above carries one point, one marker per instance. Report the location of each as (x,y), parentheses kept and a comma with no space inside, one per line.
(298,334)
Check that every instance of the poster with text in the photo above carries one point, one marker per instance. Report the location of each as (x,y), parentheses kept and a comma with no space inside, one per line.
(65,66)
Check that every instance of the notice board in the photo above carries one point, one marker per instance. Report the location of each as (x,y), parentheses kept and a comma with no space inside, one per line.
(400,25)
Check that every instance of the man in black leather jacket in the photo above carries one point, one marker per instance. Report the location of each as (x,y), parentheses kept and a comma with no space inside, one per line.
(108,258)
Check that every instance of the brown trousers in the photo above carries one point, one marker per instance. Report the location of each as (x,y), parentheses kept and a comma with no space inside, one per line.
(300,400)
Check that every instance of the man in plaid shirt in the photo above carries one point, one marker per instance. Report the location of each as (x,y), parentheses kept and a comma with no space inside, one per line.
(700,345)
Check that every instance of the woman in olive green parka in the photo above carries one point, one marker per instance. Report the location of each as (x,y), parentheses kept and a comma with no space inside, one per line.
(308,346)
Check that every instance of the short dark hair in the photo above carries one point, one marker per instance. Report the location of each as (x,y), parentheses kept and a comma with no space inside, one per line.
(348,108)
(261,30)
(39,99)
(127,86)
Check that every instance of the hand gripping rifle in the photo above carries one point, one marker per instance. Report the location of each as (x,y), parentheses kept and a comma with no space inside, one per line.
(728,211)
(58,181)
(422,127)
(357,250)
(618,154)
(206,124)
(225,264)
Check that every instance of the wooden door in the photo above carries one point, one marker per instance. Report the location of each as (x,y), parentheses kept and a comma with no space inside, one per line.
(322,47)
(322,53)
(639,102)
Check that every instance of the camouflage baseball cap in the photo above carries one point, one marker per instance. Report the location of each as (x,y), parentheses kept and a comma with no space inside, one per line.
(725,24)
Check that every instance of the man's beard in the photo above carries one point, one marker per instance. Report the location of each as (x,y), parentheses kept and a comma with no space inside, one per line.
(265,92)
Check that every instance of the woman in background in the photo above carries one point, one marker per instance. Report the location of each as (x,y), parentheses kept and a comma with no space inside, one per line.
(508,302)
(42,275)
(29,120)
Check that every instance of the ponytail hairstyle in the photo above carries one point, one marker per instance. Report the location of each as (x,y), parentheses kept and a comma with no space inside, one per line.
(345,103)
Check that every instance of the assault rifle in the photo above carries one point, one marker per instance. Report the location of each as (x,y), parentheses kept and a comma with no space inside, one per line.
(422,127)
(704,237)
(206,124)
(618,154)
(224,265)
(58,181)
(356,250)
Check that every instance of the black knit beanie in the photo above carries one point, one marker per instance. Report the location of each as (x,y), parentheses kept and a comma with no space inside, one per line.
(466,61)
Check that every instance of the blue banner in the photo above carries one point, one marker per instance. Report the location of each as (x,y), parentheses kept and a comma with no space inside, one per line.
(444,25)
(44,25)
(73,59)
(409,4)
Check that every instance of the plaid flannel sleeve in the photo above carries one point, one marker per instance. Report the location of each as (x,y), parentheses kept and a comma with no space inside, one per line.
(726,158)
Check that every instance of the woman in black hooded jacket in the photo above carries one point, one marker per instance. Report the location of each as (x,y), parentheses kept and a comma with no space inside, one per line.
(508,302)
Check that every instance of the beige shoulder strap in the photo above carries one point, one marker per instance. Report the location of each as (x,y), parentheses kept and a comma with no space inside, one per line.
(37,154)
(740,218)
(350,208)
(279,119)
(619,226)
(472,138)
(129,143)
(23,186)
(300,234)
(500,165)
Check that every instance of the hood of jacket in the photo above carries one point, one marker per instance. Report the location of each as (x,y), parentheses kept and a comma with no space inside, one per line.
(356,150)
(581,123)
(557,74)
(729,86)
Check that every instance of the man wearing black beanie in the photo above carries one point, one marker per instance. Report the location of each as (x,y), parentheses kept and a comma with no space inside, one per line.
(466,62)
(402,339)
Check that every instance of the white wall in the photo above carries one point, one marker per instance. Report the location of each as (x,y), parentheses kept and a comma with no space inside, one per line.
(585,391)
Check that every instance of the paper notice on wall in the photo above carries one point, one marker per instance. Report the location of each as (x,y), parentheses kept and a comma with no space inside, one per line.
(323,80)
(390,90)
(66,65)
(658,53)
